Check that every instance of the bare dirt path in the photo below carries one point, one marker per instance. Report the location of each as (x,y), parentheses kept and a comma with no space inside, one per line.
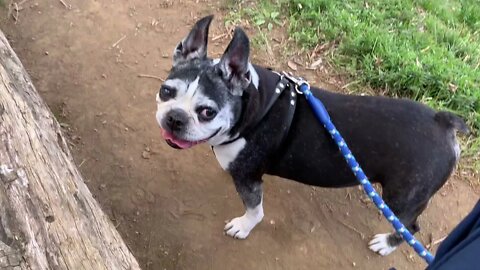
(85,58)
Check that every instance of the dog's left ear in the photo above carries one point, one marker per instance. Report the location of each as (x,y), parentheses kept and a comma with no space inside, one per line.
(234,63)
(195,44)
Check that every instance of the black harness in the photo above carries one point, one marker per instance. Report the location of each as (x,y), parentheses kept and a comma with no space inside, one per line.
(280,88)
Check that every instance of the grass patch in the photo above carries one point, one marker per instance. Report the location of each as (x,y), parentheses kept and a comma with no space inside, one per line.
(426,50)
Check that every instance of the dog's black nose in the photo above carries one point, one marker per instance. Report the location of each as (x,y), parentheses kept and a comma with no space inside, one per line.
(176,120)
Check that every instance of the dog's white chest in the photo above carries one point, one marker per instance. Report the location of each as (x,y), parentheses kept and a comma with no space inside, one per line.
(227,153)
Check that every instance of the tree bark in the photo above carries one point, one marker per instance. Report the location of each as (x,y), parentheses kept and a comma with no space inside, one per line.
(48,217)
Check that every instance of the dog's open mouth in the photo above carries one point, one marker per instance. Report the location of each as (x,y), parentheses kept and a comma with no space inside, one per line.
(178,143)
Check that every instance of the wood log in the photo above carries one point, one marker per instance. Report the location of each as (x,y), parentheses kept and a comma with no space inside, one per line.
(48,217)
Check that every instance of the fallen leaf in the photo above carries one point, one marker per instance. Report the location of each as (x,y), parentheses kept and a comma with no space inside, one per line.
(315,64)
(292,65)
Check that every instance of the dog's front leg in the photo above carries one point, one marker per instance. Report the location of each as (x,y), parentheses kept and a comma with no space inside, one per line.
(252,196)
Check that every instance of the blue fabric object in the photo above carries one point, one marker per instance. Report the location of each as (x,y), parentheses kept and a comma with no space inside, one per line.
(461,249)
(324,118)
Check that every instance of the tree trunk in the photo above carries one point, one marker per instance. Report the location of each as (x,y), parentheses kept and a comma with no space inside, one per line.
(48,217)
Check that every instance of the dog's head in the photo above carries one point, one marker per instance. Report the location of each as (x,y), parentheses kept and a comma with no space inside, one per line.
(200,100)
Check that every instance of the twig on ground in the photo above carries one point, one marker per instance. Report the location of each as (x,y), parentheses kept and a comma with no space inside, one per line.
(353,229)
(118,41)
(16,8)
(65,4)
(435,242)
(219,37)
(151,77)
(83,161)
(22,2)
(349,84)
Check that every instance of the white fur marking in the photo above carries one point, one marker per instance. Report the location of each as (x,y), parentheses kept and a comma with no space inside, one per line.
(227,153)
(277,90)
(178,84)
(192,87)
(240,227)
(254,74)
(457,150)
(292,102)
(379,244)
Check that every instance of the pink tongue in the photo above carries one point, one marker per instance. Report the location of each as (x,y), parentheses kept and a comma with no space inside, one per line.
(180,143)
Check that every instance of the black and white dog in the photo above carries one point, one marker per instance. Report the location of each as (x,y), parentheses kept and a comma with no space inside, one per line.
(405,146)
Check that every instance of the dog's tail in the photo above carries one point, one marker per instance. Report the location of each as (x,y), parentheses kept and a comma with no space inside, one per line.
(451,121)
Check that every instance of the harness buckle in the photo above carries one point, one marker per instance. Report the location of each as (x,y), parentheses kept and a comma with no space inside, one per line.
(298,81)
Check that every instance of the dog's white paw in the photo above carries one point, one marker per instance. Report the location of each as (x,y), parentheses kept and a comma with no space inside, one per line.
(240,227)
(379,244)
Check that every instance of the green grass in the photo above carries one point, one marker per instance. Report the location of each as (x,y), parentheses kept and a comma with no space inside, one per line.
(427,50)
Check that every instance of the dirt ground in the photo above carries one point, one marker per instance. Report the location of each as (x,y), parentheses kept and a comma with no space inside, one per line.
(85,58)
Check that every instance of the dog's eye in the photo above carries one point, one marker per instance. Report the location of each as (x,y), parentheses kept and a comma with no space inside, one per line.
(206,114)
(166,93)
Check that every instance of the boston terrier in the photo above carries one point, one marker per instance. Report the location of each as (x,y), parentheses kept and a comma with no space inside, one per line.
(256,129)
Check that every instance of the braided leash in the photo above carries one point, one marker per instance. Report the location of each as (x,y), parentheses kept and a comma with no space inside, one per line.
(303,87)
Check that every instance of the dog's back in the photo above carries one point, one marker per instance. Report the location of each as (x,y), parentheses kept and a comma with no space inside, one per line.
(387,136)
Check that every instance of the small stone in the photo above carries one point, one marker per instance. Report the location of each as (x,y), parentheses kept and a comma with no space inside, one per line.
(354,264)
(3,262)
(145,155)
(272,222)
(46,53)
(50,218)
(104,76)
(14,259)
(103,186)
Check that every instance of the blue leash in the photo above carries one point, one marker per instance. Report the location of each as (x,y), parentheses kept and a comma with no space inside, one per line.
(303,87)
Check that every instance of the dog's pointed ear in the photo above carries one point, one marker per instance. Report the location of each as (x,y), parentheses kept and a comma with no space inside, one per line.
(195,44)
(234,64)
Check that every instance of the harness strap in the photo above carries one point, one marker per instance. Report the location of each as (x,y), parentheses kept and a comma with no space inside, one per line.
(283,84)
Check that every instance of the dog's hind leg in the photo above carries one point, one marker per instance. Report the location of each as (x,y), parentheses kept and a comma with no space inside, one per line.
(252,196)
(407,207)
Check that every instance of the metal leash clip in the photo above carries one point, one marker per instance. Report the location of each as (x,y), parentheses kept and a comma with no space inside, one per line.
(298,81)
